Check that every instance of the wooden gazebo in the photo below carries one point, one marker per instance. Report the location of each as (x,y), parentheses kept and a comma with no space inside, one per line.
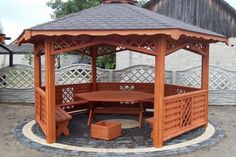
(114,26)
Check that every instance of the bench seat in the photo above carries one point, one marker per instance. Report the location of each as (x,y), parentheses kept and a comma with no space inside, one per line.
(62,120)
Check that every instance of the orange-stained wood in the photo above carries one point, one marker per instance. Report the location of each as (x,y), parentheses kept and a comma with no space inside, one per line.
(174,33)
(159,92)
(205,78)
(94,68)
(183,112)
(50,93)
(37,72)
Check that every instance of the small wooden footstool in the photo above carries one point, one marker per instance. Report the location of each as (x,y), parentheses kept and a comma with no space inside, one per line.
(62,120)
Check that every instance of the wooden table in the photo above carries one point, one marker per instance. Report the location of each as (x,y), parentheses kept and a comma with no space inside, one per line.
(116,96)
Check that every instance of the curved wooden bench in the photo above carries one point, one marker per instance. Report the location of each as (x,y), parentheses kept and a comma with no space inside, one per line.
(62,120)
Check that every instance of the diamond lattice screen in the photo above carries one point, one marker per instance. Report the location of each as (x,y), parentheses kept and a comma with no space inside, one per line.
(17,78)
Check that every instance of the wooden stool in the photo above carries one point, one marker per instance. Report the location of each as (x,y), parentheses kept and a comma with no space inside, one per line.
(62,120)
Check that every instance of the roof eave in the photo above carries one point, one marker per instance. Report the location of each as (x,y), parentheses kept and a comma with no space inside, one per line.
(175,33)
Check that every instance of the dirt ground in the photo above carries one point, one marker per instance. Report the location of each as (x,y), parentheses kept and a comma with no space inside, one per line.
(10,115)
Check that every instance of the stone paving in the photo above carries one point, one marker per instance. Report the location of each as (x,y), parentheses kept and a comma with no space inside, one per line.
(131,138)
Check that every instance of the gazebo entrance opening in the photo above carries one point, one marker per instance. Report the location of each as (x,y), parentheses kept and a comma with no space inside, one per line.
(177,109)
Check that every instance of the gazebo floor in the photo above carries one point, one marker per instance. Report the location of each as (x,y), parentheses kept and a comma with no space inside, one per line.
(136,139)
(130,138)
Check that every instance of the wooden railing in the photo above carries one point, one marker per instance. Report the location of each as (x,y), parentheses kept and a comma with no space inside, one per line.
(40,108)
(184,112)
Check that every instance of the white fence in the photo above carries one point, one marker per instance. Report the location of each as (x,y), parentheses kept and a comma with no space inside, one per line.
(16,83)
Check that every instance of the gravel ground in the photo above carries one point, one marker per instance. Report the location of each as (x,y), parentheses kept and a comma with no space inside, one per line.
(11,115)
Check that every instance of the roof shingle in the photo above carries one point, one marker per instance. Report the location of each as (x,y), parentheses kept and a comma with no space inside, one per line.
(118,16)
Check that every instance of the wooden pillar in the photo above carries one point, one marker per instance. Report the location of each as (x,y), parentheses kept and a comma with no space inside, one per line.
(10,58)
(159,92)
(37,70)
(50,93)
(205,77)
(94,68)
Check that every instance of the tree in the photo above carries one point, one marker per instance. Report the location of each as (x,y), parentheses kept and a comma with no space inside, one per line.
(71,6)
(62,9)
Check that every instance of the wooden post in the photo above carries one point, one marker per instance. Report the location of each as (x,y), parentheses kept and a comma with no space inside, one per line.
(50,93)
(37,71)
(160,46)
(205,78)
(10,58)
(94,68)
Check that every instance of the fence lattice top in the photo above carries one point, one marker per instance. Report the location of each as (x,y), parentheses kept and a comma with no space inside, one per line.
(19,76)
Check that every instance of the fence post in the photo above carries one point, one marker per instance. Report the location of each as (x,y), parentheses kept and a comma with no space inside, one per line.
(110,75)
(174,77)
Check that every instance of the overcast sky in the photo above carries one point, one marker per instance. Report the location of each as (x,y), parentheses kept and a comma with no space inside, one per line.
(16,15)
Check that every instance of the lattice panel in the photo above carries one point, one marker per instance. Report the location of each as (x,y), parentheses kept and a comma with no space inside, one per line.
(68,94)
(66,43)
(71,43)
(75,76)
(138,75)
(186,107)
(144,43)
(105,50)
(17,78)
(219,80)
(193,45)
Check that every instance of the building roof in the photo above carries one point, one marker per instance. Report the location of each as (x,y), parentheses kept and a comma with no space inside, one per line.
(22,49)
(117,16)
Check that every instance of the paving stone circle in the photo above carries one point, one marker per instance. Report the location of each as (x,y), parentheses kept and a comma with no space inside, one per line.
(131,138)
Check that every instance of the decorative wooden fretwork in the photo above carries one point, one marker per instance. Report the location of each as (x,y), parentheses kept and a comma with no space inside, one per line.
(186,107)
(142,44)
(124,87)
(68,94)
(117,43)
(191,45)
(17,77)
(39,48)
(63,44)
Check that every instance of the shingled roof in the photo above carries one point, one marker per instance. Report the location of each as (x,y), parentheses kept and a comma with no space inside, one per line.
(117,16)
(22,49)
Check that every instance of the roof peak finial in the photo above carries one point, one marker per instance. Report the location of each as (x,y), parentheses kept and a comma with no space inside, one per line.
(133,2)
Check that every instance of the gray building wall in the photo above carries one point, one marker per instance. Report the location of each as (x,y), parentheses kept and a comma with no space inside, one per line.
(221,55)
